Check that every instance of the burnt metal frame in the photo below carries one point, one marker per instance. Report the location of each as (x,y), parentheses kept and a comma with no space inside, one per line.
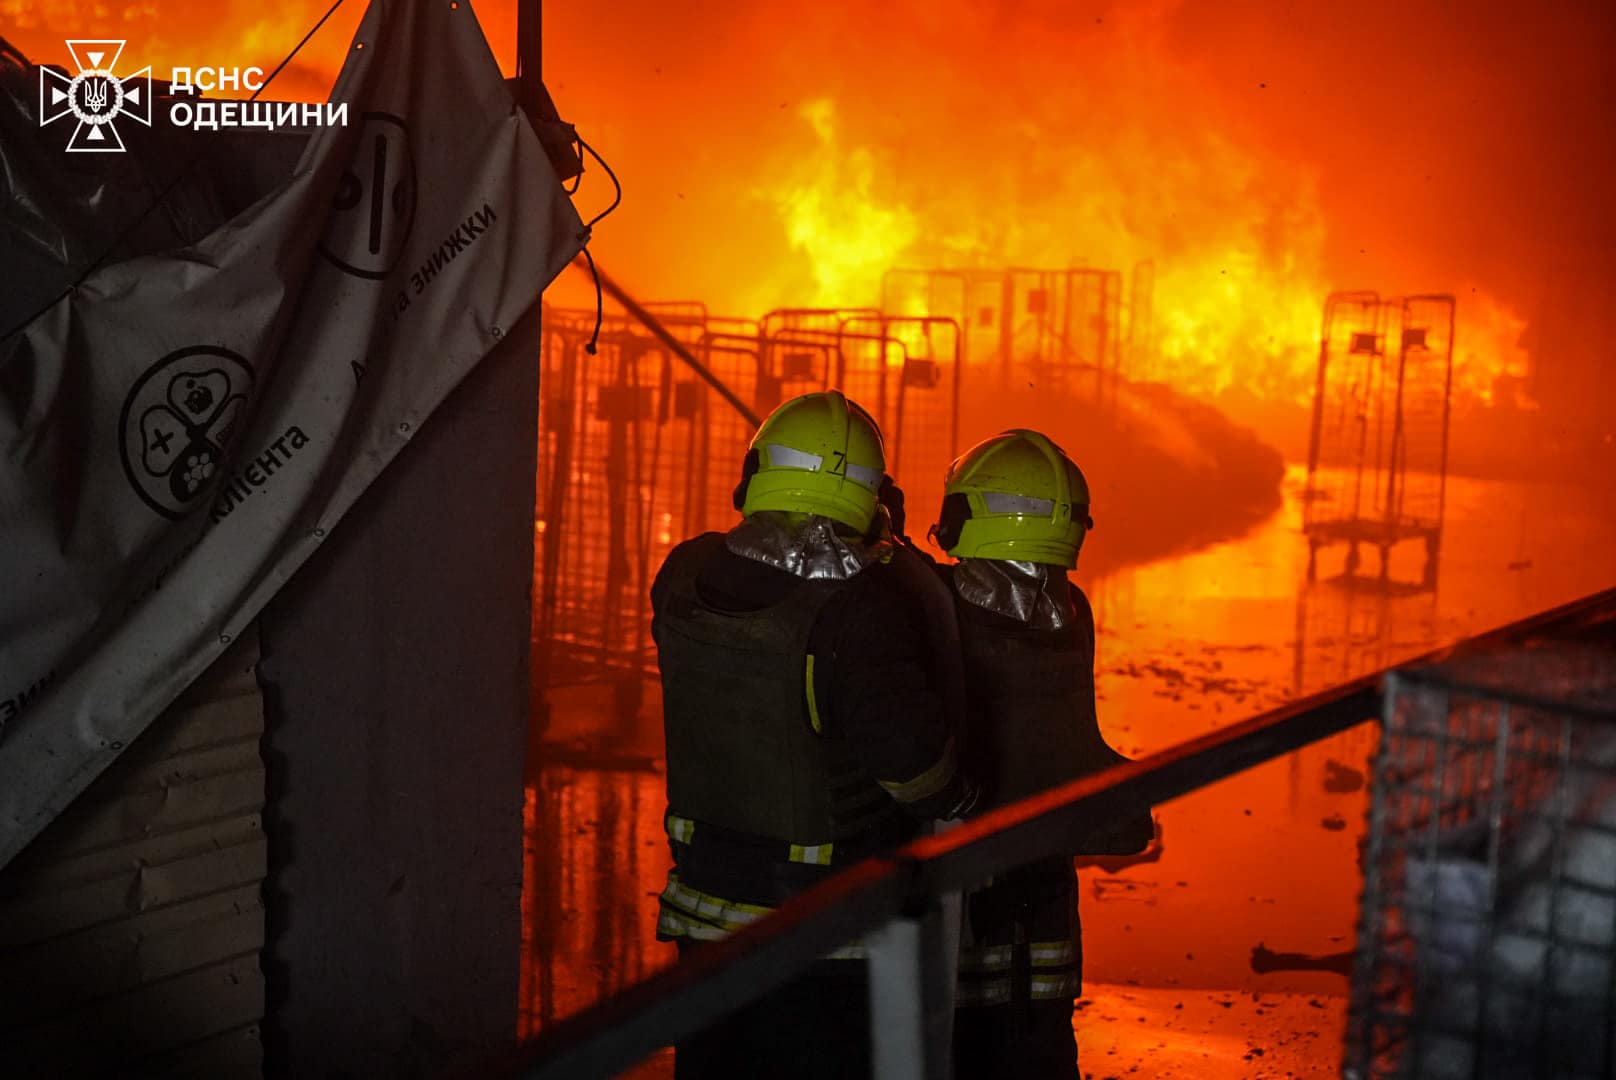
(1108,292)
(966,281)
(901,891)
(649,320)
(1393,526)
(1051,327)
(785,317)
(925,322)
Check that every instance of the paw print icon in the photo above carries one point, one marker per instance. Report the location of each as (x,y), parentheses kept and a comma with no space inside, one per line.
(198,471)
(178,421)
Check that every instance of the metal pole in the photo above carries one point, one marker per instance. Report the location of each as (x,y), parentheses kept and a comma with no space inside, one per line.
(910,1015)
(529,55)
(530,91)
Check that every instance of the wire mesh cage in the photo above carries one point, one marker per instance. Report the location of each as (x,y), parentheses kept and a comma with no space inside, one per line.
(918,369)
(974,299)
(1377,463)
(636,453)
(906,370)
(1488,925)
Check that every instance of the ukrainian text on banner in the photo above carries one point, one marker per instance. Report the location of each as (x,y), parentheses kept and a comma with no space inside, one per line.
(184,430)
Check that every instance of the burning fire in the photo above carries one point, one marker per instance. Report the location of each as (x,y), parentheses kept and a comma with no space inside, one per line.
(1240,268)
(900,151)
(834,215)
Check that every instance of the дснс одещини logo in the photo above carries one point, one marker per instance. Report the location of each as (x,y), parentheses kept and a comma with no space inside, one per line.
(96,96)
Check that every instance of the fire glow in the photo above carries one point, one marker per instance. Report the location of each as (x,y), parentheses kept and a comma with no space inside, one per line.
(1236,307)
(945,135)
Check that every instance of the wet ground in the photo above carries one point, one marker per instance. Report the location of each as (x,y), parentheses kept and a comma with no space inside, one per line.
(1245,915)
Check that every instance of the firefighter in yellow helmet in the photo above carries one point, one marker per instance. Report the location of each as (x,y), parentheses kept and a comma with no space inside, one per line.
(1015,512)
(804,724)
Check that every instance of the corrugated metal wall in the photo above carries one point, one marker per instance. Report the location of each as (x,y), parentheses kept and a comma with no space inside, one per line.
(130,930)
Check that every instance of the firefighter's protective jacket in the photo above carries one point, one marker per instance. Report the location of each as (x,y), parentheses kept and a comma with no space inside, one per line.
(804,730)
(1032,726)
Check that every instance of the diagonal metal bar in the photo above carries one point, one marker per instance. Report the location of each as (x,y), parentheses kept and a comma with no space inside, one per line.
(649,320)
(675,1003)
(715,980)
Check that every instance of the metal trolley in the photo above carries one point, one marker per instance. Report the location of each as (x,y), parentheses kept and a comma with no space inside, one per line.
(1487,936)
(1378,456)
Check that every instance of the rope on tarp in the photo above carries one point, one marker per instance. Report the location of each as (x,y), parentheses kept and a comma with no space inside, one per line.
(589,227)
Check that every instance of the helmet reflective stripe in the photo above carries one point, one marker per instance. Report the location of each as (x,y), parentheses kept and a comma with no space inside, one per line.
(863,474)
(1002,502)
(787,457)
(1015,496)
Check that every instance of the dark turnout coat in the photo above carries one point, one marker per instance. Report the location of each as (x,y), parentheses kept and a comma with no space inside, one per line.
(1031,725)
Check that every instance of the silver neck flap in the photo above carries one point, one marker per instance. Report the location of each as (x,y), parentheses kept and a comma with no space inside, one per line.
(1034,594)
(806,545)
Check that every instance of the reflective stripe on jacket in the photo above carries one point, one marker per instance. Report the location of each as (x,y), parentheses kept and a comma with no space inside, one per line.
(697,916)
(1021,938)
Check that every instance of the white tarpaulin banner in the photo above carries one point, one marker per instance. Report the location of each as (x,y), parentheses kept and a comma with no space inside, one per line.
(184,430)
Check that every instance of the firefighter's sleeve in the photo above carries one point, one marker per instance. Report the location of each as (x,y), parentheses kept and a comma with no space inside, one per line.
(1135,828)
(886,705)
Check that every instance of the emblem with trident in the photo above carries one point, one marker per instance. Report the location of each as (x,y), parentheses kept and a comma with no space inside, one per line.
(95,96)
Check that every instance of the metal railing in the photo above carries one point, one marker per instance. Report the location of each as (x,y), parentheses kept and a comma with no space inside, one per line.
(892,902)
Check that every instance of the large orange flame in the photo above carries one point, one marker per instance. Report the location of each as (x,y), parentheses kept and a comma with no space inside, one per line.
(1240,276)
(833,215)
(944,134)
